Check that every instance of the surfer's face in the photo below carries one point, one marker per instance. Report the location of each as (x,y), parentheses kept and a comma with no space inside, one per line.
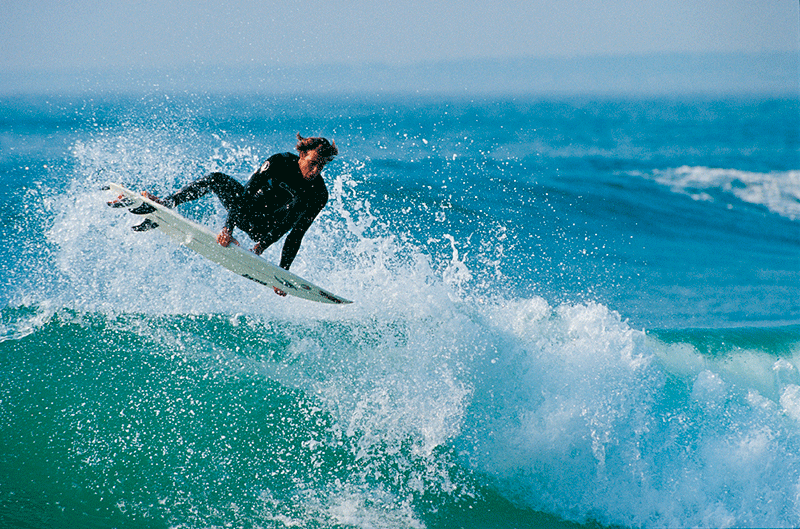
(311,164)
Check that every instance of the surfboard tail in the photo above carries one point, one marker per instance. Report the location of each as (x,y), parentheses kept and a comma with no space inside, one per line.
(121,202)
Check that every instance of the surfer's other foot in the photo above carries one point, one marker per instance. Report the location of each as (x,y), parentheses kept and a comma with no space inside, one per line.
(120,202)
(150,196)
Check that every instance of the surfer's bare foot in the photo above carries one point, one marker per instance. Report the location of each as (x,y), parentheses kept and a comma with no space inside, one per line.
(150,196)
(120,202)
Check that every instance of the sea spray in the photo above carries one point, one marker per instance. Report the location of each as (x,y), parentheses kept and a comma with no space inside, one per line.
(520,342)
(589,418)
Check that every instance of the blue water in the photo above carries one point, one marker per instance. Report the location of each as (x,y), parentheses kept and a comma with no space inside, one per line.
(567,312)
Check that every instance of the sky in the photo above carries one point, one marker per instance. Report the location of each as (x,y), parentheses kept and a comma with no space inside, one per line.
(64,34)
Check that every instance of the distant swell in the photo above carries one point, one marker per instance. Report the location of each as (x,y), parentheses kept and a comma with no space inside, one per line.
(777,191)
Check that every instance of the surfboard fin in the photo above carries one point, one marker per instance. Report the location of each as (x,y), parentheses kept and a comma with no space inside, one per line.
(147,225)
(142,209)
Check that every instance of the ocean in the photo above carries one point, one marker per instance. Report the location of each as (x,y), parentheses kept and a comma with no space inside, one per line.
(568,312)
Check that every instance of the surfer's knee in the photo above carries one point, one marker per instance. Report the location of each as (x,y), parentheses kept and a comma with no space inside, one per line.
(217,178)
(223,184)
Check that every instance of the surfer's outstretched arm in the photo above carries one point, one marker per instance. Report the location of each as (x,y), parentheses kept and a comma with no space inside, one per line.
(292,244)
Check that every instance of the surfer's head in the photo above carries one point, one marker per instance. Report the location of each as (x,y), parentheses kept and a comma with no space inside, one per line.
(324,148)
(314,154)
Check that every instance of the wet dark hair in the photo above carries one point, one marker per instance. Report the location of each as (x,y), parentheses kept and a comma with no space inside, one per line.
(325,148)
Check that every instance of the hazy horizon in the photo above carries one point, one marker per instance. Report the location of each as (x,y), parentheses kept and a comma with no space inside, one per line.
(771,73)
(405,45)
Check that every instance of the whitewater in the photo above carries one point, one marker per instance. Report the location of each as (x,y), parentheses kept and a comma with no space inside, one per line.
(567,313)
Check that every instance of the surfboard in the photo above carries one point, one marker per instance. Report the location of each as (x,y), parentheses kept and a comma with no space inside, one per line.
(203,241)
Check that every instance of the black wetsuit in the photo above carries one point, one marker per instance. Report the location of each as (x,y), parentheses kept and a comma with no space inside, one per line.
(276,200)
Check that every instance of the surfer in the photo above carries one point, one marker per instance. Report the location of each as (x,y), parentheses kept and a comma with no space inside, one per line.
(284,195)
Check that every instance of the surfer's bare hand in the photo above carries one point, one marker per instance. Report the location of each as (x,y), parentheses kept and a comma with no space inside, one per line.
(279,292)
(225,237)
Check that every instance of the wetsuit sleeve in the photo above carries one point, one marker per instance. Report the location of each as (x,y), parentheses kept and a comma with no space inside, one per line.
(292,244)
(258,182)
(230,222)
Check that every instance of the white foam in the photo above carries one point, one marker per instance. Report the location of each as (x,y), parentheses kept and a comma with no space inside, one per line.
(566,407)
(778,191)
(585,417)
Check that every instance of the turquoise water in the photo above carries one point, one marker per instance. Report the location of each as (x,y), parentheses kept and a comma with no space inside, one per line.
(568,312)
